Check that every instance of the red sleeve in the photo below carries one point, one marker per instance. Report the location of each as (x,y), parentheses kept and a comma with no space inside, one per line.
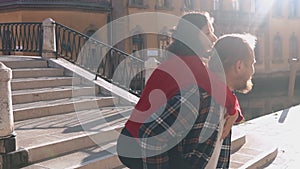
(236,109)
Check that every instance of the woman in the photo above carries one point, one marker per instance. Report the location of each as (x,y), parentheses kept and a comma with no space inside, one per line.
(182,75)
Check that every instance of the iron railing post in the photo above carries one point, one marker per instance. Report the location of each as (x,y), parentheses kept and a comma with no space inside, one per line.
(294,66)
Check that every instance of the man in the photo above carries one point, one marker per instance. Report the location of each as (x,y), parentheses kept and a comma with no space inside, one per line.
(235,52)
(238,62)
(207,143)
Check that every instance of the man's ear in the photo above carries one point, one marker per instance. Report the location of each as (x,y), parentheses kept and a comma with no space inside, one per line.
(238,66)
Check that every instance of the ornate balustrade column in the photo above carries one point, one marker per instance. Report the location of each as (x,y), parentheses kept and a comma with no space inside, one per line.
(49,40)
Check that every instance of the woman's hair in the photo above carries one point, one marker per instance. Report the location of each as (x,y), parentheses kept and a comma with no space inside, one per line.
(185,39)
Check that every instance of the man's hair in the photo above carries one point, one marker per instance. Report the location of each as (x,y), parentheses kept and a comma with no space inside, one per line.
(184,31)
(230,48)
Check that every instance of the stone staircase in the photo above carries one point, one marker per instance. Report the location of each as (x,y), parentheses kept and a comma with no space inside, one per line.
(65,121)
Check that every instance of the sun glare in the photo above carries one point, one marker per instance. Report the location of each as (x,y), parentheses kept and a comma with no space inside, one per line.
(263,7)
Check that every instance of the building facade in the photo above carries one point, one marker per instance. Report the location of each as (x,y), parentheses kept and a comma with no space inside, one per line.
(276,23)
(85,16)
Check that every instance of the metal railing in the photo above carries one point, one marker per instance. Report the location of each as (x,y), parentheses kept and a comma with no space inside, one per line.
(105,61)
(57,3)
(21,37)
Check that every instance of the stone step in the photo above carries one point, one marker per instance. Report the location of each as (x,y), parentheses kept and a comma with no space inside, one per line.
(59,126)
(15,62)
(46,108)
(238,139)
(254,154)
(250,154)
(42,94)
(69,133)
(90,158)
(100,157)
(42,82)
(252,158)
(37,72)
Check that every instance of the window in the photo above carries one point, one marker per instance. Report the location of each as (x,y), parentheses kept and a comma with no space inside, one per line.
(188,5)
(235,5)
(259,6)
(91,60)
(257,52)
(253,6)
(90,32)
(163,3)
(163,42)
(277,8)
(277,49)
(137,45)
(293,6)
(136,2)
(216,5)
(204,5)
(293,46)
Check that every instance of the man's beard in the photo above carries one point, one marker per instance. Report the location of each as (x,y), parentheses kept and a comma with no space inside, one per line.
(245,87)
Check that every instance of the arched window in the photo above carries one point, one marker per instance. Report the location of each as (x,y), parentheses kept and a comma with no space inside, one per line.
(277,49)
(235,5)
(253,6)
(293,47)
(163,39)
(137,42)
(257,52)
(136,2)
(90,32)
(164,4)
(293,8)
(216,5)
(278,8)
(258,6)
(188,5)
(137,45)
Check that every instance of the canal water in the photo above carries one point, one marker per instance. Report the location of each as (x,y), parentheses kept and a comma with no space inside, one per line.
(267,96)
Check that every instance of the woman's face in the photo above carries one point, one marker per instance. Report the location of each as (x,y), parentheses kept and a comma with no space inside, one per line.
(208,30)
(209,37)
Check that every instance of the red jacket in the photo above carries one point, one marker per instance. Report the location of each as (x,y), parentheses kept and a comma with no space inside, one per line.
(173,75)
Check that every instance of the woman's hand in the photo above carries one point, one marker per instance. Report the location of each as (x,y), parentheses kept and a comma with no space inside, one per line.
(229,122)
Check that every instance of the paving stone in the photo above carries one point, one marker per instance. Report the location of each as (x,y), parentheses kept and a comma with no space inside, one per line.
(280,129)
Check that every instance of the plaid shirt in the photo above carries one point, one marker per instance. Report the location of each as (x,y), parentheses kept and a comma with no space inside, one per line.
(191,118)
